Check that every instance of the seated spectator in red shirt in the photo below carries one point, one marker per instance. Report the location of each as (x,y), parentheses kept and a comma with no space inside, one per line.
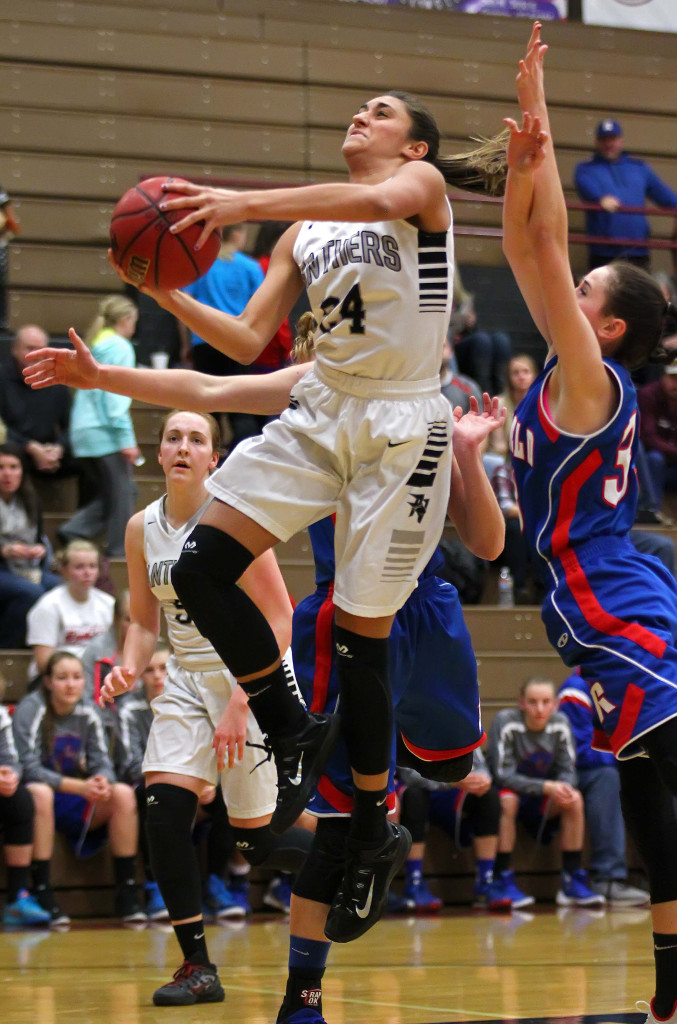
(658,429)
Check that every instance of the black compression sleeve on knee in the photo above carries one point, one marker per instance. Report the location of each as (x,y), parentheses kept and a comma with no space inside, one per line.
(170,812)
(661,746)
(283,853)
(16,817)
(415,811)
(651,819)
(321,875)
(205,579)
(484,812)
(366,702)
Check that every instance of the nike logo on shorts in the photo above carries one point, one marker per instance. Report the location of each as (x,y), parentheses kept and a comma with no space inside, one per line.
(396,444)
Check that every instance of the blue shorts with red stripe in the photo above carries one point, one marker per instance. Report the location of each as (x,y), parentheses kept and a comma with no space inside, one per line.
(613,613)
(433,676)
(72,817)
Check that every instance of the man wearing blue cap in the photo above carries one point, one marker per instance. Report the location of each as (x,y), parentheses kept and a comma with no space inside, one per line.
(613,179)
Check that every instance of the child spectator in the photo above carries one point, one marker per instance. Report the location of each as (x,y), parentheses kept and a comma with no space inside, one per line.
(16,821)
(25,555)
(72,614)
(533,761)
(599,782)
(61,746)
(469,813)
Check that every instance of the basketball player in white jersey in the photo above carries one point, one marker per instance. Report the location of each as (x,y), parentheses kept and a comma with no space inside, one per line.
(367,437)
(201,719)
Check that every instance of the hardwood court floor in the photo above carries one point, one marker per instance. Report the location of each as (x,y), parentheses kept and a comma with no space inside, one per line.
(585,966)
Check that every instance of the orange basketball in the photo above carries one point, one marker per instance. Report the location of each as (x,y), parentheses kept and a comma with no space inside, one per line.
(146,250)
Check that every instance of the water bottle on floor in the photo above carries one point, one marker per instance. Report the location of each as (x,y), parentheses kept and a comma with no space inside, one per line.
(505,587)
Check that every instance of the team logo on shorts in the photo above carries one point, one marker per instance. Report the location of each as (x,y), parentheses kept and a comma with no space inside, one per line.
(419,506)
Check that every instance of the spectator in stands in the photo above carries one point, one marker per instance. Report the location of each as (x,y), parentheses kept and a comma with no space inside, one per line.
(515,556)
(614,179)
(102,434)
(103,651)
(9,227)
(658,429)
(599,782)
(25,554)
(480,355)
(520,373)
(16,822)
(61,746)
(69,616)
(228,286)
(533,762)
(469,813)
(156,329)
(457,388)
(35,420)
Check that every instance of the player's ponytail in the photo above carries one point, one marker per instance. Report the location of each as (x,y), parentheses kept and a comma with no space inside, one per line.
(111,309)
(634,296)
(304,342)
(483,169)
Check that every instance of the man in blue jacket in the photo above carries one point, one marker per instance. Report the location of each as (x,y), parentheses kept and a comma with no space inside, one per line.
(614,179)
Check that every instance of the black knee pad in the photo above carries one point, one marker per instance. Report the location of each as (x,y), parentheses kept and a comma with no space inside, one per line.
(453,769)
(366,700)
(484,812)
(415,811)
(170,812)
(205,579)
(16,817)
(321,875)
(283,853)
(650,814)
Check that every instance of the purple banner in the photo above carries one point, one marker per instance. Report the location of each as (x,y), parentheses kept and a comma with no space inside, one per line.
(546,10)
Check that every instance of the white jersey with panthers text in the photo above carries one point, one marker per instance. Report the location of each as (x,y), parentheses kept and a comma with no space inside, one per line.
(381,294)
(162,545)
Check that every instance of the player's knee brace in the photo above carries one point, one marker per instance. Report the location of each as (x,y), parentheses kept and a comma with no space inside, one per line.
(283,853)
(451,769)
(484,812)
(205,579)
(170,812)
(661,746)
(321,875)
(651,819)
(366,701)
(415,804)
(17,818)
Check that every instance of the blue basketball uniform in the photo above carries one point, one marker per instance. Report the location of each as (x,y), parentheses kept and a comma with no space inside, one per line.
(610,610)
(433,672)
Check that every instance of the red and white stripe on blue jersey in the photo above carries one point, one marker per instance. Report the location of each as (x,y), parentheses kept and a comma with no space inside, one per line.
(573,488)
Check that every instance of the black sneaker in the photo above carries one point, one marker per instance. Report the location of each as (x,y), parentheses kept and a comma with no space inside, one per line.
(45,897)
(127,906)
(299,759)
(363,894)
(192,983)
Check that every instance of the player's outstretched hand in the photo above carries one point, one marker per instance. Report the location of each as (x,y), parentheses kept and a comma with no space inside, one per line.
(530,91)
(475,426)
(119,680)
(77,367)
(525,146)
(215,206)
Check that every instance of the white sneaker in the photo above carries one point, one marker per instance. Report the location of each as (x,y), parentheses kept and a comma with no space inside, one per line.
(618,893)
(652,1017)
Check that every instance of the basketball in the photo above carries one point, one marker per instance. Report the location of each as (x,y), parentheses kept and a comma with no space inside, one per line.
(146,250)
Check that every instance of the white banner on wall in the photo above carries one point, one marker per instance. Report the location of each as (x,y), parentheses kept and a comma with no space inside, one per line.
(546,10)
(655,15)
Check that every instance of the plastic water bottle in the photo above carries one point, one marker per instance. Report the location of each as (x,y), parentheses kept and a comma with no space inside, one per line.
(505,587)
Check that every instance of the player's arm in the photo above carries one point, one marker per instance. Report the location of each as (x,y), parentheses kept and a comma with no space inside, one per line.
(263,394)
(473,508)
(245,336)
(415,190)
(144,614)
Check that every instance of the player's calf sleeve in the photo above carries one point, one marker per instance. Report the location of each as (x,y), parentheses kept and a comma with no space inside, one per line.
(651,819)
(484,812)
(365,700)
(322,872)
(283,853)
(170,812)
(415,811)
(205,579)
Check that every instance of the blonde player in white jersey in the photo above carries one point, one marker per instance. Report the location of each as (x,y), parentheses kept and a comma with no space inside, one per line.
(367,437)
(201,727)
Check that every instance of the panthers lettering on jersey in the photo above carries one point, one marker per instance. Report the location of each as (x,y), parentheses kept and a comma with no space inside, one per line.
(381,294)
(567,494)
(162,545)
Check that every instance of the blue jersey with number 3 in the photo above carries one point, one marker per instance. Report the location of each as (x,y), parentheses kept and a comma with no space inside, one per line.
(571,487)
